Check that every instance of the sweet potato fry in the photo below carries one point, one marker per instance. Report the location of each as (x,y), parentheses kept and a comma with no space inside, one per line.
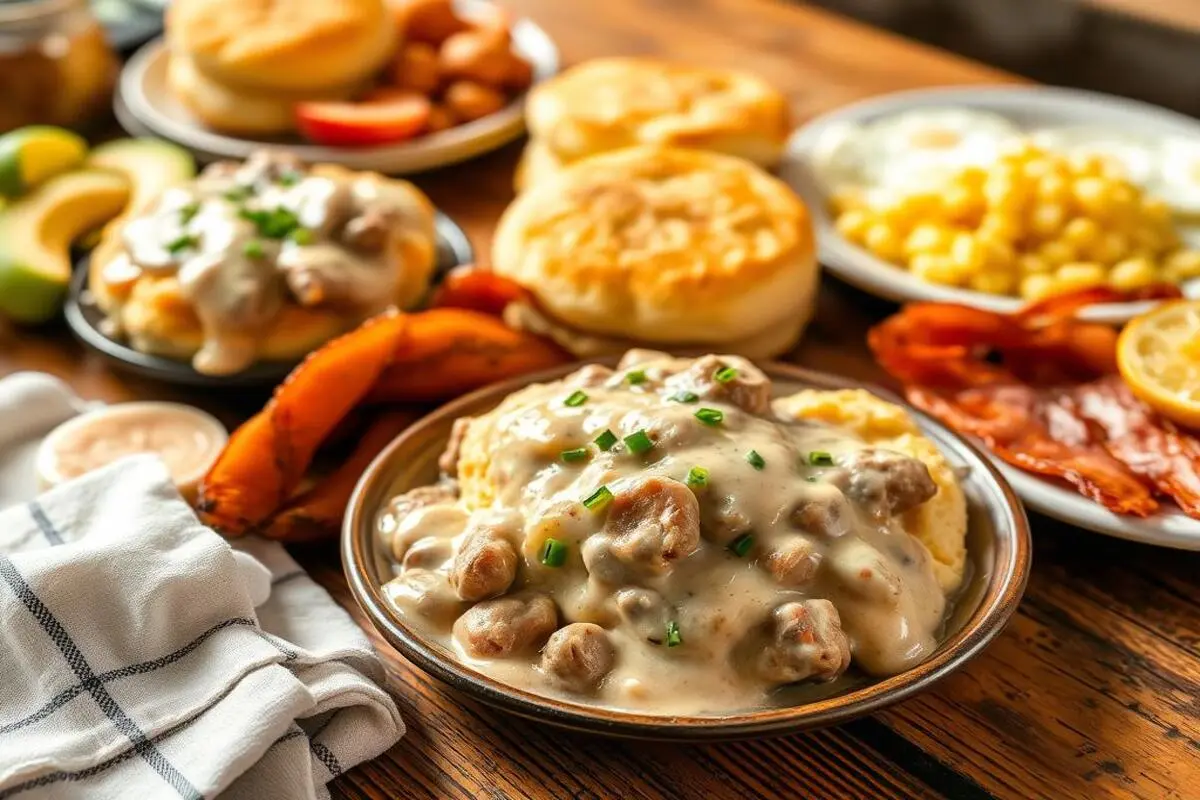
(317,513)
(267,457)
(450,351)
(478,290)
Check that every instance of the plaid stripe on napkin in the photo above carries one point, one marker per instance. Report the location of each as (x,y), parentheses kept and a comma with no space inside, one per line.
(135,663)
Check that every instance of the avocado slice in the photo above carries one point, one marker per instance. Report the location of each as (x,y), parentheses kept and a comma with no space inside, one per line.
(36,153)
(150,165)
(36,232)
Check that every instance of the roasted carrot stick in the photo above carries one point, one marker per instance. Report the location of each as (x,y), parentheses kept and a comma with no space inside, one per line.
(267,457)
(478,290)
(317,513)
(450,351)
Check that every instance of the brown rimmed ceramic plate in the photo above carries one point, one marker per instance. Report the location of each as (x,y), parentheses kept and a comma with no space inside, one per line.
(998,563)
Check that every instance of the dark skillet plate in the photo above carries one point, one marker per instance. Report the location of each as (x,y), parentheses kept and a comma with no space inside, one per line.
(998,553)
(85,319)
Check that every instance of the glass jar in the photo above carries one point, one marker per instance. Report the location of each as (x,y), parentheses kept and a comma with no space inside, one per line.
(56,67)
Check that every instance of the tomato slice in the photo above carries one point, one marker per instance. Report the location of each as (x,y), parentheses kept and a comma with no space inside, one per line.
(382,117)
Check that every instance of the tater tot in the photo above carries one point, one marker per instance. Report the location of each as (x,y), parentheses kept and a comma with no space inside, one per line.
(468,100)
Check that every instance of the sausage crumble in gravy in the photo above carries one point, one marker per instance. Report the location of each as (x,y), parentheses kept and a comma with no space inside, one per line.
(664,538)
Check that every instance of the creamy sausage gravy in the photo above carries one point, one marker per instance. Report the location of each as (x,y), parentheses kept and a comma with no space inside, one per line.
(657,539)
(244,240)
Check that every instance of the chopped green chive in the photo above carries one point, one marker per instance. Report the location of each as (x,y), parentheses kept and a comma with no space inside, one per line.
(636,376)
(253,249)
(239,193)
(674,637)
(554,553)
(182,243)
(302,236)
(726,374)
(578,454)
(598,499)
(710,416)
(697,477)
(755,460)
(638,442)
(274,224)
(188,213)
(606,440)
(741,545)
(812,478)
(820,458)
(576,399)
(684,397)
(289,178)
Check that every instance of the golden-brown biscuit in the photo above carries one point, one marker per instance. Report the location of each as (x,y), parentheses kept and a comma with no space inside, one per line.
(289,45)
(663,245)
(237,111)
(537,163)
(608,103)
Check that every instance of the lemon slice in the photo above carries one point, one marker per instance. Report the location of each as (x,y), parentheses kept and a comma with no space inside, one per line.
(1159,358)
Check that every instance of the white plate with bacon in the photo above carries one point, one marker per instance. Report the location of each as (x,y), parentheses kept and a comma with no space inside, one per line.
(1041,392)
(1168,528)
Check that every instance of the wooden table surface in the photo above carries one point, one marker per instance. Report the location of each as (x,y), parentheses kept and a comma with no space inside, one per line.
(1091,692)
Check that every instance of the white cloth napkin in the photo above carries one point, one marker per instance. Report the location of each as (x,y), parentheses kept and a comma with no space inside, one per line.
(143,657)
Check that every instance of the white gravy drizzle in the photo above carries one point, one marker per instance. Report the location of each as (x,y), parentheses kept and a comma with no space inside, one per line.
(877,576)
(324,246)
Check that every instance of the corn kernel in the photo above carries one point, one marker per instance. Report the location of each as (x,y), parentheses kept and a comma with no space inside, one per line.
(1057,252)
(1031,264)
(928,238)
(1156,211)
(1000,226)
(1092,195)
(1133,273)
(854,224)
(963,204)
(1081,232)
(1035,287)
(998,255)
(1109,248)
(1003,193)
(993,282)
(1152,240)
(1047,219)
(1054,188)
(936,269)
(1182,265)
(1079,275)
(882,240)
(908,210)
(968,253)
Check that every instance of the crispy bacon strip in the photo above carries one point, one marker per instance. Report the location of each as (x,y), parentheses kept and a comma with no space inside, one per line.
(1149,445)
(1038,387)
(1021,427)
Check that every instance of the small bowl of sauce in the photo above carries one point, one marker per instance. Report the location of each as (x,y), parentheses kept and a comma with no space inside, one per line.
(187,440)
